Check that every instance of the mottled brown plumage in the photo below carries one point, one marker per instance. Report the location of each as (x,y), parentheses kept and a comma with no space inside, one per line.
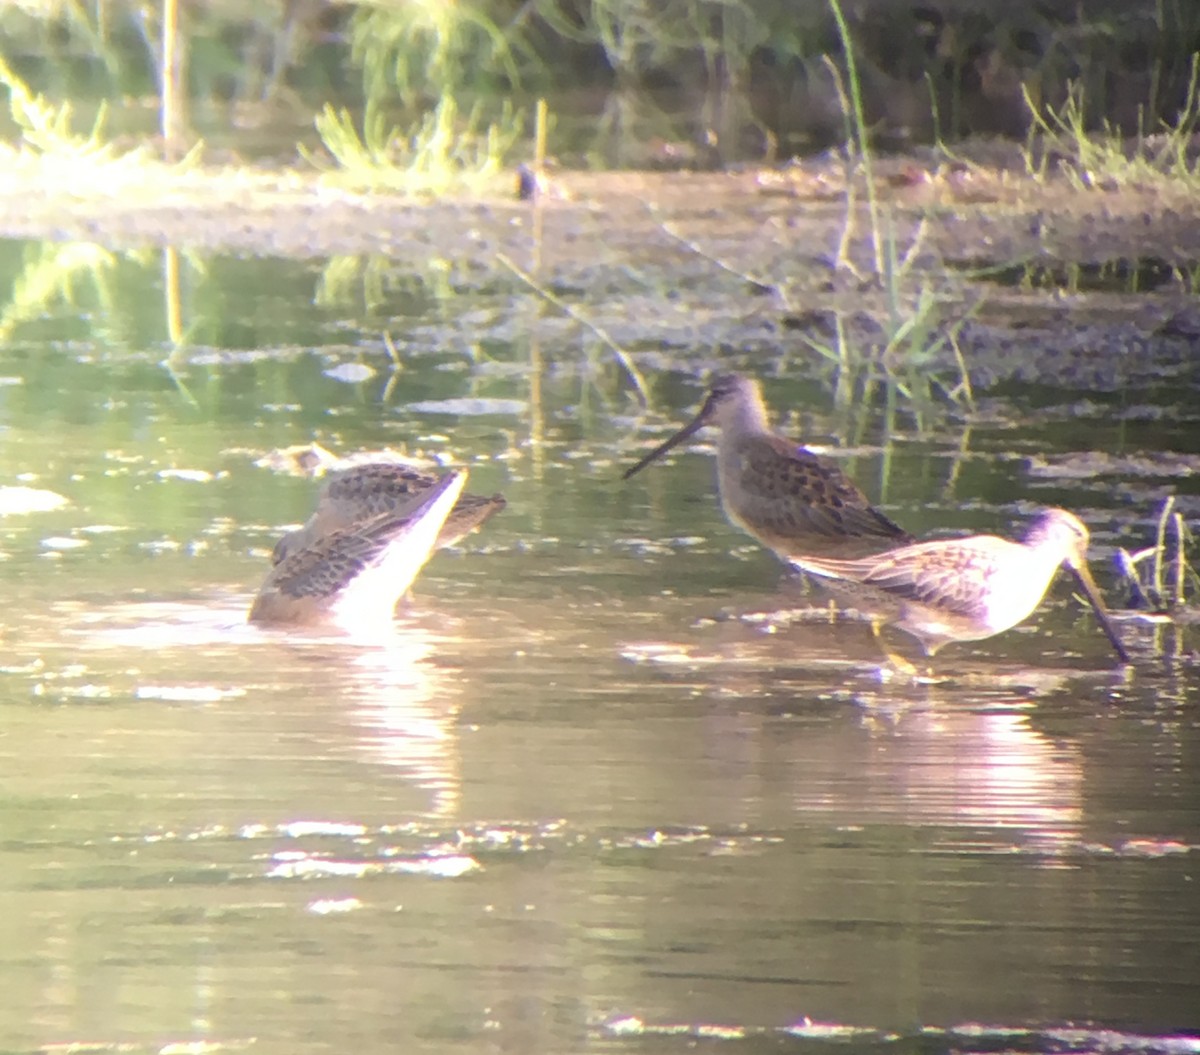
(353,576)
(965,589)
(357,493)
(790,499)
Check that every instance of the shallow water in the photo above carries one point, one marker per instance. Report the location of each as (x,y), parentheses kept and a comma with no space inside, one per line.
(612,784)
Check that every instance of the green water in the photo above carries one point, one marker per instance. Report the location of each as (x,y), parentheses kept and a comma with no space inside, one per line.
(594,795)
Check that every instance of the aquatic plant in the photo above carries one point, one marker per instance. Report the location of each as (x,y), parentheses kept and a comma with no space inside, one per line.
(858,136)
(1160,576)
(915,355)
(47,128)
(441,154)
(428,55)
(918,328)
(1102,157)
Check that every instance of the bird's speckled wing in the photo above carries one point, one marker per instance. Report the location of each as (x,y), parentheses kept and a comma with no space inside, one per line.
(325,567)
(952,577)
(353,576)
(355,495)
(791,492)
(364,491)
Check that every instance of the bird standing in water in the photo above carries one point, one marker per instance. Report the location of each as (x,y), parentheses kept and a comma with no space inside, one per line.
(790,499)
(965,589)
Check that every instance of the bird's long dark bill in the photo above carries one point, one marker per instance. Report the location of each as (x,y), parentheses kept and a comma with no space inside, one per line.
(1092,592)
(693,426)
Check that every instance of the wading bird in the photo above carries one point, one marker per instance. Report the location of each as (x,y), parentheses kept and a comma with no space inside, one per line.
(965,589)
(790,499)
(352,577)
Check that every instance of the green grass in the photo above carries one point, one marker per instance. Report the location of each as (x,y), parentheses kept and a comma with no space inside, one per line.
(47,128)
(1162,575)
(1102,157)
(442,155)
(920,336)
(920,327)
(446,152)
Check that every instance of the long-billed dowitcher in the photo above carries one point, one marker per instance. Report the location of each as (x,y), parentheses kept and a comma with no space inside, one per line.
(352,577)
(965,589)
(356,491)
(790,499)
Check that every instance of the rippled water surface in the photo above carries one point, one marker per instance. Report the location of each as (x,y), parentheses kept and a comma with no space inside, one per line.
(612,784)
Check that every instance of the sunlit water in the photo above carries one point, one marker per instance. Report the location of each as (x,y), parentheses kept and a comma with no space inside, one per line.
(609,784)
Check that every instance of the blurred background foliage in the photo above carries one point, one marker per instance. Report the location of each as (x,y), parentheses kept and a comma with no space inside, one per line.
(630,82)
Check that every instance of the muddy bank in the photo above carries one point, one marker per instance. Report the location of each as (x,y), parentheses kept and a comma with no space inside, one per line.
(1093,288)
